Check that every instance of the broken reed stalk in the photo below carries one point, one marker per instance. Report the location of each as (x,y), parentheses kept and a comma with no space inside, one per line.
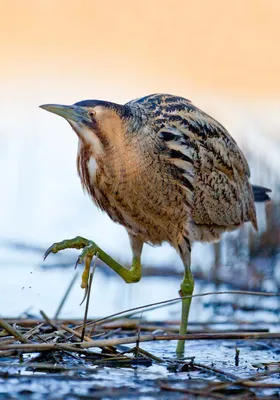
(195,392)
(14,332)
(48,320)
(75,333)
(211,389)
(76,346)
(247,382)
(33,330)
(27,322)
(88,297)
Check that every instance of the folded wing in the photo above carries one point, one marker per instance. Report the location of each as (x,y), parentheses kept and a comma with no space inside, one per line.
(210,164)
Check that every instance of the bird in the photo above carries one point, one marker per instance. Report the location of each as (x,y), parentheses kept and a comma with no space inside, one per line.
(167,172)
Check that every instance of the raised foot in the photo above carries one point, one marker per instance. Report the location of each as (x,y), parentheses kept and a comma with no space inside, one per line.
(90,249)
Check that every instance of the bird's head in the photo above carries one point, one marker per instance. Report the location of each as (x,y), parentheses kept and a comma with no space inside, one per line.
(97,123)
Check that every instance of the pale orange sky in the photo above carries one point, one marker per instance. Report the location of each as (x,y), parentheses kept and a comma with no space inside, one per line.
(229,46)
(222,54)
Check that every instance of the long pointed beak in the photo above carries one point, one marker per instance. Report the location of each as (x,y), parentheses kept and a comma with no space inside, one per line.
(72,113)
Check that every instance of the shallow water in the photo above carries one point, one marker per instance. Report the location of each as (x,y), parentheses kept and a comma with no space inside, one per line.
(142,382)
(26,288)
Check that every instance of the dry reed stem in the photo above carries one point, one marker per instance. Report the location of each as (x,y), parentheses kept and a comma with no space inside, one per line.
(165,386)
(128,340)
(33,330)
(75,333)
(88,297)
(75,321)
(235,380)
(48,320)
(17,335)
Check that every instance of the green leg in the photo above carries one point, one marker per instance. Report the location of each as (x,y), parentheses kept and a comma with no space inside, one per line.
(186,290)
(90,249)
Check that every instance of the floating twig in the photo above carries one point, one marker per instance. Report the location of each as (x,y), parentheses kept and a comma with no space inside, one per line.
(236,381)
(197,392)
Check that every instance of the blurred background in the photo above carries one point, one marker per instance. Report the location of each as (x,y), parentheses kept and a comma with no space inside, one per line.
(223,55)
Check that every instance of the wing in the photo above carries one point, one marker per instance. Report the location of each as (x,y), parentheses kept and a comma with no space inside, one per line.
(210,164)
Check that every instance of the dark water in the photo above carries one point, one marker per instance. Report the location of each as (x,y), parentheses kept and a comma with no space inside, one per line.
(27,286)
(89,381)
(30,289)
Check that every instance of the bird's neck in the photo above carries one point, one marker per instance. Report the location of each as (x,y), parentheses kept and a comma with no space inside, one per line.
(86,164)
(121,163)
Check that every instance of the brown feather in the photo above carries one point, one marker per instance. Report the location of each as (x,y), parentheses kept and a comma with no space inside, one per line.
(168,172)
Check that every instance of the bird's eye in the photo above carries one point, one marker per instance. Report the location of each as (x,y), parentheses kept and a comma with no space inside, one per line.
(91,114)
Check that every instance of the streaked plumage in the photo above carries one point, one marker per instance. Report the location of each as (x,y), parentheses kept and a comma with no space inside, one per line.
(169,173)
(166,171)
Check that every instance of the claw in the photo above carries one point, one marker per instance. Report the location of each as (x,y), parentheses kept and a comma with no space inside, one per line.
(77,262)
(48,251)
(80,259)
(85,296)
(89,251)
(76,243)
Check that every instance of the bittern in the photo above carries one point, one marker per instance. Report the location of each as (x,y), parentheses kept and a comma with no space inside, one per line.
(166,171)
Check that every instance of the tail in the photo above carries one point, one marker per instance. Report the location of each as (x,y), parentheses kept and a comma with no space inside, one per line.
(260,193)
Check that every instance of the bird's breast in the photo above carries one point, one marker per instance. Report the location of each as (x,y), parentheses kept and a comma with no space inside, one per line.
(137,196)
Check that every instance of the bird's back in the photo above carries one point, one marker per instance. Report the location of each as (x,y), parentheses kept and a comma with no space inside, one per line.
(207,162)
